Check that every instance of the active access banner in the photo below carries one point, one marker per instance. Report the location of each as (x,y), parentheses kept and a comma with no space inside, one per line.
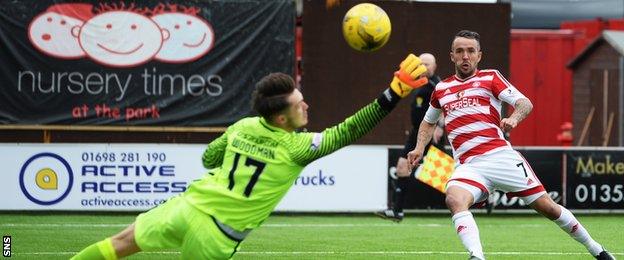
(95,177)
(178,63)
(137,177)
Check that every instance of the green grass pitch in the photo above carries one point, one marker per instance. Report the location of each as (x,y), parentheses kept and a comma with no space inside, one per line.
(419,236)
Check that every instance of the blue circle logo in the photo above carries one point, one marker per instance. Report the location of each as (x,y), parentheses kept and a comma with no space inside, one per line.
(46,178)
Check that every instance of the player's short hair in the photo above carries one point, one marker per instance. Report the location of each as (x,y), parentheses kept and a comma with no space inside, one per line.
(470,35)
(270,96)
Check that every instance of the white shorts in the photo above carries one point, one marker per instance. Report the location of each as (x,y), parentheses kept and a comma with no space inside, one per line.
(504,170)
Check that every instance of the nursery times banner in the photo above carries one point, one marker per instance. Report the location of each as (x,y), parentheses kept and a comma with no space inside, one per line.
(161,63)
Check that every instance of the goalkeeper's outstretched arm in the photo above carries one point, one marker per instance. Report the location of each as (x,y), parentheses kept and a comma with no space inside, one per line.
(311,146)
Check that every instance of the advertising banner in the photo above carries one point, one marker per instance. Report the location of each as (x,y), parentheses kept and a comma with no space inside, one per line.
(95,177)
(351,179)
(137,177)
(595,179)
(181,63)
(547,165)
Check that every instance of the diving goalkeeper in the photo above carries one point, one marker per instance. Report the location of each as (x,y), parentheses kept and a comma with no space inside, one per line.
(255,163)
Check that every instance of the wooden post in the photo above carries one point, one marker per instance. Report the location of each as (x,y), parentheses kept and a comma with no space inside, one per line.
(607,133)
(46,136)
(588,120)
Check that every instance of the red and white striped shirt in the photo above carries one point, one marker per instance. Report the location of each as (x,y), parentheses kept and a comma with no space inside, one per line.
(472,112)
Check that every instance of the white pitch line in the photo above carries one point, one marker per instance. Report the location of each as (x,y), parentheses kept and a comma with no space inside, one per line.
(275,225)
(346,253)
(407,253)
(61,225)
(265,225)
(392,225)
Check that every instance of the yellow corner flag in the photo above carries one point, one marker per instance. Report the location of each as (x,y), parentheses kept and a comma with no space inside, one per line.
(436,169)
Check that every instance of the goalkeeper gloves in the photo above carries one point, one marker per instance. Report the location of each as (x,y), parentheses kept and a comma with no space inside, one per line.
(408,77)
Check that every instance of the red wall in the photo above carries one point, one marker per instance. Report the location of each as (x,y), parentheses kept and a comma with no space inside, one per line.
(616,24)
(298,53)
(538,60)
(590,29)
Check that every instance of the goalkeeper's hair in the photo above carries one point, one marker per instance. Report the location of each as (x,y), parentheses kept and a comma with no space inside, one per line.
(470,35)
(270,96)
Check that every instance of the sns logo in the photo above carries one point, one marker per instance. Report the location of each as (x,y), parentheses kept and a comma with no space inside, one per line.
(6,246)
(46,178)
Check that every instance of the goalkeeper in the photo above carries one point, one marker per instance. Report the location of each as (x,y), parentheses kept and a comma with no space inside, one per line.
(255,163)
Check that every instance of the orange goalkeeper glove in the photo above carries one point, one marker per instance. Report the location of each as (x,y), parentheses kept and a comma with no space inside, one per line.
(409,76)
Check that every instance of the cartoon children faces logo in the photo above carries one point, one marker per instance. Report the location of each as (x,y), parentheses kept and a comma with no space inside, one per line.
(122,36)
(50,31)
(190,37)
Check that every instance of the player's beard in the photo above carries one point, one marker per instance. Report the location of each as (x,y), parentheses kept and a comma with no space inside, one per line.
(462,74)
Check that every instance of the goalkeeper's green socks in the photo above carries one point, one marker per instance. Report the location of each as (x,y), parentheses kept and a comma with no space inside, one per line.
(100,250)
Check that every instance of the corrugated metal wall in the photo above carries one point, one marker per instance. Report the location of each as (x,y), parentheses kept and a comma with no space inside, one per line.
(538,61)
(590,29)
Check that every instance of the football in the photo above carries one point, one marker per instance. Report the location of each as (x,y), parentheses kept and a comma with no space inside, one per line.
(366,27)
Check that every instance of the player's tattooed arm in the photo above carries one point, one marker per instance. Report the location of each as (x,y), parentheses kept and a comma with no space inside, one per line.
(425,132)
(522,109)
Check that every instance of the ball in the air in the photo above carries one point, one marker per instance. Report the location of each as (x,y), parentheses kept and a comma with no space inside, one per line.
(366,27)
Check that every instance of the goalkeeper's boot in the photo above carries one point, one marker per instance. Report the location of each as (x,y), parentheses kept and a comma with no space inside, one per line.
(390,215)
(605,255)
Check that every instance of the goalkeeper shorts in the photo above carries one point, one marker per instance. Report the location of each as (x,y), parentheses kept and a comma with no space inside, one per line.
(177,224)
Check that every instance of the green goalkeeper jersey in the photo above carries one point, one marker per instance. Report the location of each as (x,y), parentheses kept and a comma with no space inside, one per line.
(254,164)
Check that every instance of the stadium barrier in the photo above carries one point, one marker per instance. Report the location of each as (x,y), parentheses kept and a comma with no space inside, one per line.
(581,178)
(136,177)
